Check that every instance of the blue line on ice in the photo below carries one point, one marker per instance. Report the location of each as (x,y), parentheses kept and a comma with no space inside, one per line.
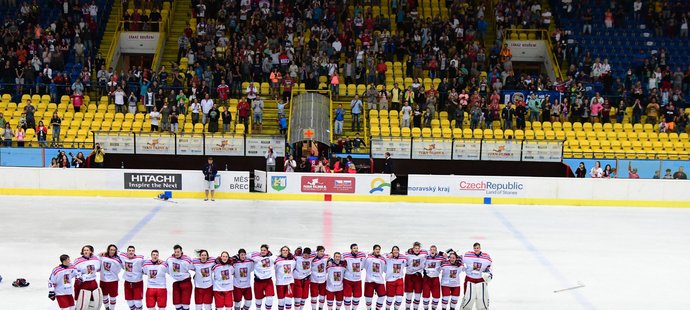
(138,227)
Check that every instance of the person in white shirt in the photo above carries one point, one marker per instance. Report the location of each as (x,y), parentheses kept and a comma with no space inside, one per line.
(119,96)
(406,113)
(251,92)
(258,108)
(195,107)
(206,105)
(596,171)
(155,117)
(290,164)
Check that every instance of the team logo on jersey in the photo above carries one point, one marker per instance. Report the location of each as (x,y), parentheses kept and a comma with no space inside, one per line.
(476,266)
(176,267)
(415,263)
(337,276)
(106,266)
(453,274)
(375,267)
(65,279)
(306,265)
(225,275)
(397,268)
(265,262)
(153,274)
(90,269)
(243,272)
(320,268)
(205,272)
(432,265)
(355,267)
(129,267)
(377,185)
(279,183)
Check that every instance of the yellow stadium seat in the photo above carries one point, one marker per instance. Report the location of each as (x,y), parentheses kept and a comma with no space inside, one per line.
(529,134)
(395,131)
(577,126)
(375,131)
(536,126)
(373,113)
(426,132)
(416,132)
(385,132)
(642,136)
(539,134)
(435,123)
(546,126)
(488,133)
(239,129)
(519,134)
(597,127)
(405,132)
(436,132)
(477,133)
(467,133)
(607,127)
(498,133)
(567,126)
(673,137)
(587,126)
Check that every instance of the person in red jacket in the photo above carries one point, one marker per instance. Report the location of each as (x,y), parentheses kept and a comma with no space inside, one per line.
(243,112)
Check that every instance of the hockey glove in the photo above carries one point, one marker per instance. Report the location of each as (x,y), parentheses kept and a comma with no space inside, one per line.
(51,295)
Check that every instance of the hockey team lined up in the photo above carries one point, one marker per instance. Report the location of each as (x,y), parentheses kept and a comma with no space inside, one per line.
(417,275)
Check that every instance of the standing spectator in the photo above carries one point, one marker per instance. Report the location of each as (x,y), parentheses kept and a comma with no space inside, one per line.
(20,134)
(505,56)
(596,105)
(77,100)
(417,117)
(339,120)
(149,100)
(637,111)
(335,85)
(270,159)
(596,171)
(223,91)
(282,124)
(507,115)
(30,110)
(119,96)
(406,112)
(227,119)
(251,92)
(55,122)
(165,117)
(78,161)
(581,170)
(41,133)
(173,121)
(620,111)
(155,117)
(356,109)
(290,164)
(132,103)
(275,79)
(652,112)
(210,170)
(98,156)
(213,117)
(206,105)
(195,107)
(387,163)
(258,109)
(243,109)
(587,18)
(371,95)
(182,44)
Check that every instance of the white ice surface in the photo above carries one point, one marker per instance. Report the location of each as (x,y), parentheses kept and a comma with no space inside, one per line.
(628,258)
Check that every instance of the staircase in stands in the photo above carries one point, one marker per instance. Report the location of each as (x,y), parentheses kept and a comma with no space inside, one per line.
(183,14)
(110,30)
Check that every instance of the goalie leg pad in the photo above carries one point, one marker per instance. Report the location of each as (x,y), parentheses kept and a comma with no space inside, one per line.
(83,300)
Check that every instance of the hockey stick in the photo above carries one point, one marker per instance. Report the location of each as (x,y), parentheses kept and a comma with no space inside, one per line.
(170,201)
(579,285)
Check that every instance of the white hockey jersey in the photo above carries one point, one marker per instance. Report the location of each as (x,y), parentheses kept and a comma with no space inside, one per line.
(336,274)
(223,277)
(302,267)
(395,266)
(110,268)
(475,264)
(243,273)
(432,265)
(284,268)
(156,273)
(375,267)
(355,264)
(263,265)
(318,269)
(87,267)
(450,274)
(179,268)
(60,280)
(203,277)
(133,268)
(415,262)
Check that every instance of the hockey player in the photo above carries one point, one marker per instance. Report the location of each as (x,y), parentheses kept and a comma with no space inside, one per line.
(222,282)
(284,267)
(301,274)
(317,287)
(395,262)
(477,277)
(203,280)
(414,275)
(156,285)
(264,262)
(243,268)
(133,276)
(353,276)
(335,281)
(432,270)
(375,281)
(111,265)
(179,266)
(450,280)
(60,286)
(86,290)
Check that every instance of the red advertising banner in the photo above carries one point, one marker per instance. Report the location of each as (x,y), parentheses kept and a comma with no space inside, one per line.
(327,184)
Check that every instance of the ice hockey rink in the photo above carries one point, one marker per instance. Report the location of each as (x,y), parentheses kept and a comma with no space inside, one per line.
(626,258)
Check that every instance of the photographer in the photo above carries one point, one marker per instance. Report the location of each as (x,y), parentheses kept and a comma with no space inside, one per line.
(98,156)
(79,161)
(62,161)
